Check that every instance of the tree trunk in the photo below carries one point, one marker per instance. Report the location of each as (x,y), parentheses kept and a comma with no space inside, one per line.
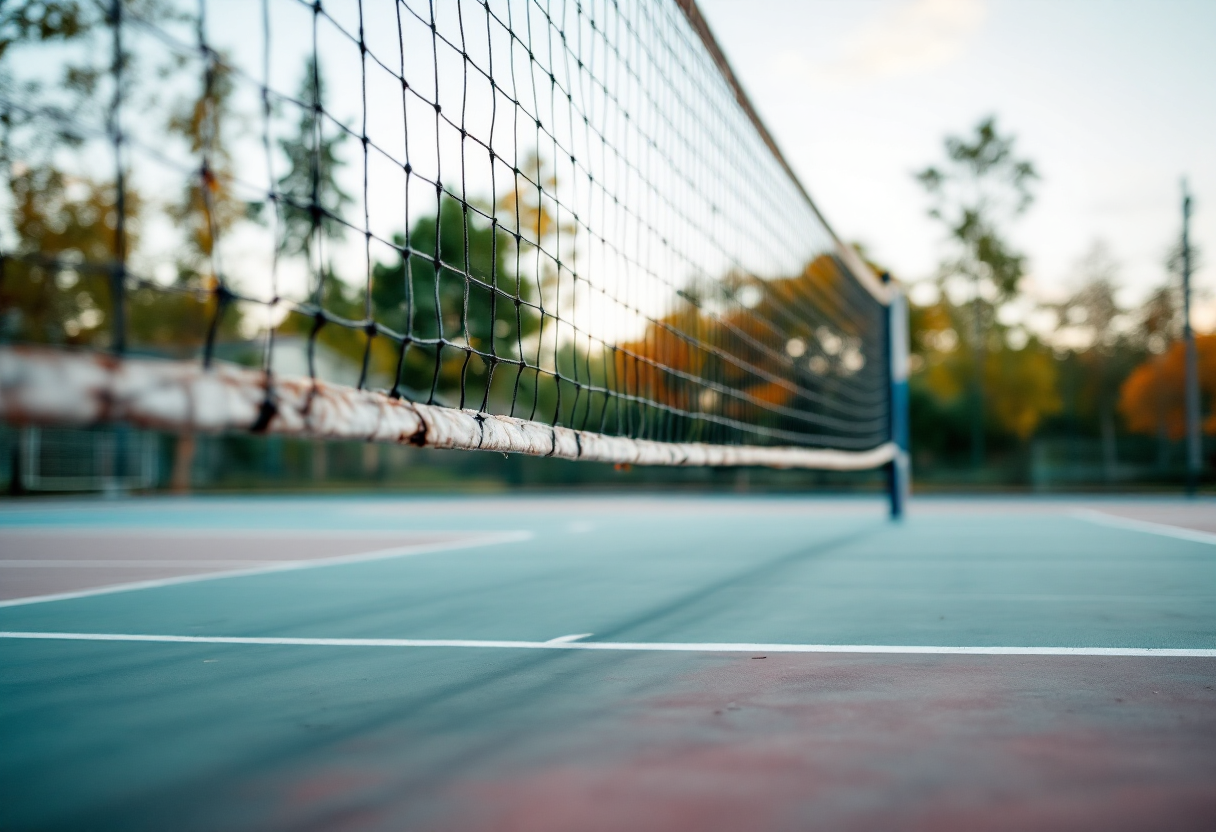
(16,483)
(1110,458)
(977,393)
(373,461)
(320,461)
(1163,440)
(183,463)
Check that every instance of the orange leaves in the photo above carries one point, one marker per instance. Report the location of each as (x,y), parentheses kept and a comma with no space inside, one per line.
(1152,398)
(768,341)
(529,206)
(652,365)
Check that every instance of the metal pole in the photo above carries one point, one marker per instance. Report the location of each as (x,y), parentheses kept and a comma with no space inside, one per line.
(899,470)
(118,271)
(1194,447)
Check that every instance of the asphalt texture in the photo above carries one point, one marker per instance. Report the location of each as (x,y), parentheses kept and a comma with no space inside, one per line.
(122,735)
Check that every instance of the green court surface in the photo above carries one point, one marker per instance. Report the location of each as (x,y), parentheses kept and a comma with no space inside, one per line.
(608,663)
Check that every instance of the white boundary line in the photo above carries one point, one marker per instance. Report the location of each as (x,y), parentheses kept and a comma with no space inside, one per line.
(482,539)
(667,647)
(43,530)
(128,564)
(1101,518)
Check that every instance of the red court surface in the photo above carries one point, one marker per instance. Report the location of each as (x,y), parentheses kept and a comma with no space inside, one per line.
(849,742)
(38,562)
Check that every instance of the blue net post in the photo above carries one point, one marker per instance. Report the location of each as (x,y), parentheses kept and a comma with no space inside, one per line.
(899,470)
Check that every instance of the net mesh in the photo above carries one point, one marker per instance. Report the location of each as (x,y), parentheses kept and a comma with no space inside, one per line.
(563,212)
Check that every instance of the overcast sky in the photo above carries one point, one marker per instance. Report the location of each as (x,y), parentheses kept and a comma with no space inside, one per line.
(1113,100)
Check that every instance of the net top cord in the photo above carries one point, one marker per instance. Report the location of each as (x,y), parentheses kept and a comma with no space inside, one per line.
(549,217)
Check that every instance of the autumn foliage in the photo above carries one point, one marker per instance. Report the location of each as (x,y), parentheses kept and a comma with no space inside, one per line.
(1020,385)
(1152,400)
(760,346)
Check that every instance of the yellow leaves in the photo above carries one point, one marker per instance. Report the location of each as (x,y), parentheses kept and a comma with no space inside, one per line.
(1020,387)
(524,206)
(55,213)
(945,379)
(933,318)
(209,209)
(1152,399)
(209,206)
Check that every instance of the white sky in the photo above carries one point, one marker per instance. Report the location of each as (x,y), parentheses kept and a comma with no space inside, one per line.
(1114,101)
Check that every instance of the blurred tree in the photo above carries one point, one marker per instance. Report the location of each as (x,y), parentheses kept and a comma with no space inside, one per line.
(1023,385)
(310,199)
(44,21)
(1174,259)
(530,208)
(207,209)
(1160,319)
(1159,324)
(309,205)
(1103,341)
(545,258)
(1151,398)
(61,229)
(982,186)
(57,289)
(662,366)
(475,299)
(467,296)
(65,220)
(53,215)
(790,348)
(1018,371)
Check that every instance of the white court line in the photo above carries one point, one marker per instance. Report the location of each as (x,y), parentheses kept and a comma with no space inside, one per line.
(219,534)
(485,539)
(124,564)
(569,638)
(669,647)
(1101,518)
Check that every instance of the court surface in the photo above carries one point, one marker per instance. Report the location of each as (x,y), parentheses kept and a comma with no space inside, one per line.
(718,663)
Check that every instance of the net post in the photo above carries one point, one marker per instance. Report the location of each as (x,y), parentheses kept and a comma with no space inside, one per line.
(899,469)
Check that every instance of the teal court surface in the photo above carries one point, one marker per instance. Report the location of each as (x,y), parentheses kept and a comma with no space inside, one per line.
(718,663)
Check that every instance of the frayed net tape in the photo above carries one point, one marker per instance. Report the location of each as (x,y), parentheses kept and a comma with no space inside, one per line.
(39,385)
